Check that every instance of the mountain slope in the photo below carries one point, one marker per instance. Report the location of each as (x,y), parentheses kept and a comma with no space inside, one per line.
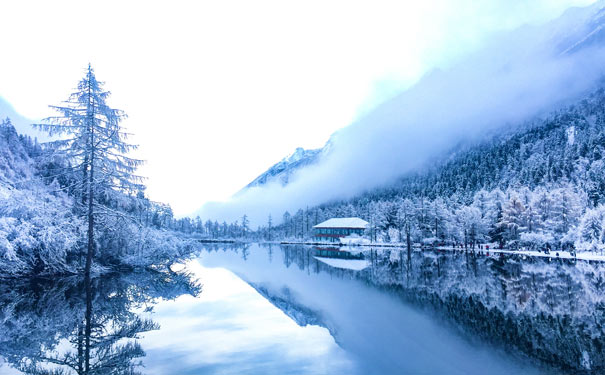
(577,31)
(516,80)
(286,301)
(539,185)
(566,147)
(282,171)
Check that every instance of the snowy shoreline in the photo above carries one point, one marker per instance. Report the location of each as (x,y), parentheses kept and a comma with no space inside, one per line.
(587,256)
(553,254)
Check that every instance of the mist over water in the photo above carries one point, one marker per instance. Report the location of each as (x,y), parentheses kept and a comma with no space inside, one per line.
(516,77)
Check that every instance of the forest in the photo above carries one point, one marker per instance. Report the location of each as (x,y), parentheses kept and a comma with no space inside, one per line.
(540,184)
(76,204)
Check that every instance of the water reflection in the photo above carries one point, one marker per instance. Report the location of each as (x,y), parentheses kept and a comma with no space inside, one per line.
(231,329)
(438,312)
(79,325)
(302,310)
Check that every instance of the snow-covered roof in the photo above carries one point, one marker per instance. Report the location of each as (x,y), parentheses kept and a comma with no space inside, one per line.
(349,264)
(343,222)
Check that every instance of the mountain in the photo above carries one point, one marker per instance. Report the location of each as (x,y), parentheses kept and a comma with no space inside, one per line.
(518,81)
(579,29)
(283,170)
(564,147)
(285,300)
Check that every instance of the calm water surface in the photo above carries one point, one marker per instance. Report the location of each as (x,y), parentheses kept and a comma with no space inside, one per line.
(284,310)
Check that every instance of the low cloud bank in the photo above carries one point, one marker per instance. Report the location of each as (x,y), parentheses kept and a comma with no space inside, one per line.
(21,123)
(520,75)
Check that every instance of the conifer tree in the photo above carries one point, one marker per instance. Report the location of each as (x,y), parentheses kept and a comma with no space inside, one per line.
(245,225)
(269,227)
(96,148)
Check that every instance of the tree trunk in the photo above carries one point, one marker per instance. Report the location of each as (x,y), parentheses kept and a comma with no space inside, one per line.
(88,324)
(91,160)
(408,240)
(80,349)
(90,253)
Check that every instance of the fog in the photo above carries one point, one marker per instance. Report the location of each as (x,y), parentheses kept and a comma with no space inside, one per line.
(517,76)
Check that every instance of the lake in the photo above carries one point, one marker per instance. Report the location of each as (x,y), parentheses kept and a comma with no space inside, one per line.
(288,309)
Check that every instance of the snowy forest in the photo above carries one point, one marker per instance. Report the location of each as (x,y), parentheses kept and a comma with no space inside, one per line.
(76,204)
(540,184)
(303,188)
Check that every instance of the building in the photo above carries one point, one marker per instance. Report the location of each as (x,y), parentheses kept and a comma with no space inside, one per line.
(334,229)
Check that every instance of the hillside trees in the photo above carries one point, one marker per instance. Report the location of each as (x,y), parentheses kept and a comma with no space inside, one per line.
(591,232)
(406,221)
(530,185)
(37,232)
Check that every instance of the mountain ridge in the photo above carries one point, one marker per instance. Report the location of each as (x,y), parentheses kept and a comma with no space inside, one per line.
(578,30)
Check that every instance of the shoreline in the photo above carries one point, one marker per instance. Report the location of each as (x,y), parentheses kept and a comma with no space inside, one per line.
(586,256)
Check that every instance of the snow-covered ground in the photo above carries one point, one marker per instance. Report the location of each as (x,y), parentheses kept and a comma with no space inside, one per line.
(586,255)
(357,248)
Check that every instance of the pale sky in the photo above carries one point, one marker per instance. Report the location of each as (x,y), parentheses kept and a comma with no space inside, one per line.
(217,91)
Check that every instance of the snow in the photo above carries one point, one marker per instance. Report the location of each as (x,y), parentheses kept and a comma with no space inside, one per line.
(585,361)
(586,255)
(571,135)
(282,170)
(349,264)
(298,154)
(354,240)
(343,222)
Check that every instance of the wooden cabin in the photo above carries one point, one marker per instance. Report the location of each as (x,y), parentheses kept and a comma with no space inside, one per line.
(333,230)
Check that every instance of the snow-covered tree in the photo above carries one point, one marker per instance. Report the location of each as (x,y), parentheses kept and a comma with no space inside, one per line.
(591,231)
(287,223)
(95,147)
(269,228)
(566,210)
(439,216)
(471,225)
(406,221)
(512,217)
(245,225)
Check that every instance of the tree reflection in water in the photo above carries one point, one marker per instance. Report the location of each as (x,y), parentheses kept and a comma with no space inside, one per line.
(549,310)
(77,325)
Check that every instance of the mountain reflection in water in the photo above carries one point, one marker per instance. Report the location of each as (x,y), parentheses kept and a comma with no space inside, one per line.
(269,309)
(438,312)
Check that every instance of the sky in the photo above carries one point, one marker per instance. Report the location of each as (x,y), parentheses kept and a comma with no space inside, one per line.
(216,92)
(231,329)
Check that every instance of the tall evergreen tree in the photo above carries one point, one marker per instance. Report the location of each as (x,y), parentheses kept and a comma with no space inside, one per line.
(269,227)
(96,148)
(245,225)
